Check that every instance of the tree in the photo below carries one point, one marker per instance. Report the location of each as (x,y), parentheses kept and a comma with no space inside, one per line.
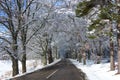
(25,22)
(32,23)
(107,11)
(41,28)
(7,20)
(13,16)
(41,47)
(57,23)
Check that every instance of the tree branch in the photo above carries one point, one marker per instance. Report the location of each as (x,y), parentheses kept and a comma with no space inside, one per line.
(5,40)
(27,6)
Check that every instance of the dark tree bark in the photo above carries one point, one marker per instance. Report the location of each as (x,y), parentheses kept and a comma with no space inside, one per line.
(45,57)
(56,52)
(50,58)
(23,40)
(112,63)
(118,37)
(14,56)
(14,66)
(24,60)
(24,63)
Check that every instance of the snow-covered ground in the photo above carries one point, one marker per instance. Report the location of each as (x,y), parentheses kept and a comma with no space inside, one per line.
(6,67)
(32,65)
(97,71)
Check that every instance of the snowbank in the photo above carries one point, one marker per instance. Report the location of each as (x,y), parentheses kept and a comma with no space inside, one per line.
(97,71)
(32,65)
(38,67)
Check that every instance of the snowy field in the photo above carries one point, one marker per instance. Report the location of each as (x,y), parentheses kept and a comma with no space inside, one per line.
(97,71)
(6,67)
(32,65)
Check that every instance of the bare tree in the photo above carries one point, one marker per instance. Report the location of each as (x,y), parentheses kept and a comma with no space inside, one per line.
(12,18)
(7,20)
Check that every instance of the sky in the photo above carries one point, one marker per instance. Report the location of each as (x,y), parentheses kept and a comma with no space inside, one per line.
(59,3)
(2,29)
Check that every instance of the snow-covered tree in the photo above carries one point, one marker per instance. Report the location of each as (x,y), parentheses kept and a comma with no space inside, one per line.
(106,11)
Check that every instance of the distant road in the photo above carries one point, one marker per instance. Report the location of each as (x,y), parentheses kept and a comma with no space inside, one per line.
(63,70)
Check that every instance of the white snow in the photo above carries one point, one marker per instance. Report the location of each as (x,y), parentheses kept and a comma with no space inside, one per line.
(5,67)
(66,11)
(32,65)
(97,71)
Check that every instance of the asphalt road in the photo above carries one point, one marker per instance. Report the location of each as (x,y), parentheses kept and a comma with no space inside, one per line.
(63,70)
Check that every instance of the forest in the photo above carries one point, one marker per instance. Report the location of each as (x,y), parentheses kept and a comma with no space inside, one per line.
(48,30)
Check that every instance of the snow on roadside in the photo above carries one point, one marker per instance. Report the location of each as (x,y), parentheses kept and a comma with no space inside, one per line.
(97,71)
(36,68)
(5,68)
(32,65)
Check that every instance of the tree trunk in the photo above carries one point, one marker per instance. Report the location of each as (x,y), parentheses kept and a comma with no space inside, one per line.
(80,57)
(50,58)
(14,58)
(45,58)
(14,66)
(84,58)
(23,36)
(56,53)
(119,52)
(24,63)
(89,54)
(76,55)
(112,63)
(118,39)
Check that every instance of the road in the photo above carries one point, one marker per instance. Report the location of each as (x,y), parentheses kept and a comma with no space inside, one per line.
(63,70)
